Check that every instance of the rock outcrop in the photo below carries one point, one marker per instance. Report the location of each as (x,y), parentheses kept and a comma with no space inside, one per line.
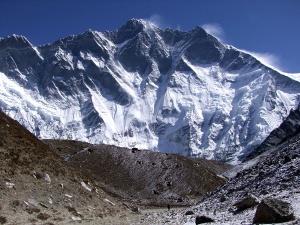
(272,210)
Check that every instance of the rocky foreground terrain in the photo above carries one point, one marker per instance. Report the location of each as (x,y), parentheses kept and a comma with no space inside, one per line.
(97,184)
(38,187)
(93,184)
(273,174)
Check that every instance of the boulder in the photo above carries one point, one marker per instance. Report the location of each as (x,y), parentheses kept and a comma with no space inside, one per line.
(247,202)
(273,211)
(223,198)
(188,213)
(43,216)
(203,219)
(136,209)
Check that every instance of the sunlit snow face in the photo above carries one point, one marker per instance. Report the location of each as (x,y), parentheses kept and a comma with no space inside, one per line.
(216,109)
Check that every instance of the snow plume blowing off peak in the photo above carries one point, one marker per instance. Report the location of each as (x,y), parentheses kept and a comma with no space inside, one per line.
(140,86)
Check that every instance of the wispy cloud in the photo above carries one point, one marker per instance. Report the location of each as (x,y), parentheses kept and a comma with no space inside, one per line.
(268,59)
(157,20)
(215,30)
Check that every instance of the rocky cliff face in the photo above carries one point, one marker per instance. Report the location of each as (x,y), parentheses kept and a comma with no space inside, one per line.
(140,86)
(288,129)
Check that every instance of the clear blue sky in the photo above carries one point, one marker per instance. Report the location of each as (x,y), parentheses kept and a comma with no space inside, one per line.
(270,27)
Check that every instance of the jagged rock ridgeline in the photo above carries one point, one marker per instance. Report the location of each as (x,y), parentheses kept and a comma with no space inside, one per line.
(139,86)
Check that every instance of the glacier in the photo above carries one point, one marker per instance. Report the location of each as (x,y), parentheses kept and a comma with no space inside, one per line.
(139,86)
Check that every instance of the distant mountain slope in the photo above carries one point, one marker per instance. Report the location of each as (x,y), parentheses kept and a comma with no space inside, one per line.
(38,187)
(144,177)
(140,86)
(289,128)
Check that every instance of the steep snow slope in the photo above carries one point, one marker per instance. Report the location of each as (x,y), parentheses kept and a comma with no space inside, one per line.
(140,86)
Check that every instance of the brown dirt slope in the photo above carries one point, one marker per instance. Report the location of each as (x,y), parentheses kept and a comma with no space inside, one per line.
(28,196)
(141,176)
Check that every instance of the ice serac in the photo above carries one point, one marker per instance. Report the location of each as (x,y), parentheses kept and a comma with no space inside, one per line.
(139,86)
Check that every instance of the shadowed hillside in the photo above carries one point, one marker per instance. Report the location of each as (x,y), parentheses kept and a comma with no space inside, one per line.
(142,176)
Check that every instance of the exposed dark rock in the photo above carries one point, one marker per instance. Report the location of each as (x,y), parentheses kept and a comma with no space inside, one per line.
(43,216)
(188,213)
(223,198)
(136,209)
(273,211)
(32,209)
(204,48)
(289,128)
(247,202)
(3,219)
(203,219)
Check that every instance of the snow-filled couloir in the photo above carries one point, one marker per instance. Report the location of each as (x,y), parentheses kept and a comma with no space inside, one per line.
(140,86)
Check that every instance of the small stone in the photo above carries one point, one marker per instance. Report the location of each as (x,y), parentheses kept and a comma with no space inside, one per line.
(50,201)
(136,209)
(85,186)
(33,173)
(76,218)
(33,202)
(68,196)
(110,202)
(47,178)
(9,184)
(42,204)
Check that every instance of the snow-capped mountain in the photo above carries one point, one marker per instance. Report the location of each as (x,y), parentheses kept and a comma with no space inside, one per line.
(140,86)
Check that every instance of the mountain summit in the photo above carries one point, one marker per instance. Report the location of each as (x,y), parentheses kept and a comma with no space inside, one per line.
(141,86)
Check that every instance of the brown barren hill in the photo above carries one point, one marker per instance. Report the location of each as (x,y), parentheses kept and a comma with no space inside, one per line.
(141,176)
(36,185)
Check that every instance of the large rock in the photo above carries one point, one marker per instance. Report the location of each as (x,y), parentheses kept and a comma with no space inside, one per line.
(247,202)
(273,211)
(203,219)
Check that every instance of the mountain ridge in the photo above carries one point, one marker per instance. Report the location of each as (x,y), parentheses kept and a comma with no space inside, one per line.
(139,86)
